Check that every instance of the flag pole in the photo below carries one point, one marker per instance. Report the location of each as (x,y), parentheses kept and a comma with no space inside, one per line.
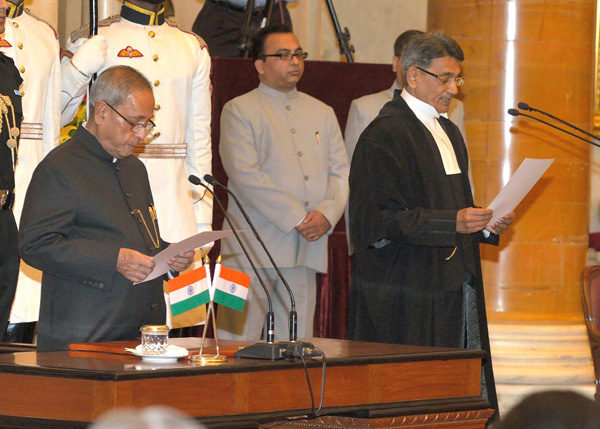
(200,358)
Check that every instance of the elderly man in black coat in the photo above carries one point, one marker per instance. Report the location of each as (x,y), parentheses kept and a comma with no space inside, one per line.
(90,226)
(417,274)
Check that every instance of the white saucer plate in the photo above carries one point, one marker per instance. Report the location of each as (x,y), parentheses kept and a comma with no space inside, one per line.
(173,353)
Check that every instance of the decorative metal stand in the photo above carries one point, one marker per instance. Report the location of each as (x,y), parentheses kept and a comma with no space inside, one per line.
(208,359)
(247,31)
(343,38)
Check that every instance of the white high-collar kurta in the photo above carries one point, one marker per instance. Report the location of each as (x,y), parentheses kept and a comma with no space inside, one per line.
(284,156)
(35,49)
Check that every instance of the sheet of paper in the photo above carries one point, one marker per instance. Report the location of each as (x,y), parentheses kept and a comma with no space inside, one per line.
(193,242)
(520,183)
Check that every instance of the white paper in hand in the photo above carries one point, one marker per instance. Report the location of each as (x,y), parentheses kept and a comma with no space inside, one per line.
(193,242)
(520,183)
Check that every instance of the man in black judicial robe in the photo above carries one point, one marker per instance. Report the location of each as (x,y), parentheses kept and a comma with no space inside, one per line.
(417,275)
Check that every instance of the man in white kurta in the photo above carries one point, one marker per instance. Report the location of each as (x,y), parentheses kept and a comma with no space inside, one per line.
(364,109)
(33,45)
(285,158)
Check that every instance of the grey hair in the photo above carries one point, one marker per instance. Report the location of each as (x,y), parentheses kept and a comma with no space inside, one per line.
(403,40)
(115,84)
(424,48)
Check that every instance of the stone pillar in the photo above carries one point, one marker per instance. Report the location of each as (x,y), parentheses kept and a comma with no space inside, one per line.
(540,53)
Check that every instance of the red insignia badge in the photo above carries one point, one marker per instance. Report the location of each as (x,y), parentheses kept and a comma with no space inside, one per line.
(5,44)
(129,52)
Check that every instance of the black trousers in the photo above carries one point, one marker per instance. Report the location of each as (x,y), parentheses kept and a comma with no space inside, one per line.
(220,26)
(9,266)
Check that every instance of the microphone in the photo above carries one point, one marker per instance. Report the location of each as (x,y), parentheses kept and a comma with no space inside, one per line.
(293,324)
(515,112)
(267,350)
(525,106)
(293,315)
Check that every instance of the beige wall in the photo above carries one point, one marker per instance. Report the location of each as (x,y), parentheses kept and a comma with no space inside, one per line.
(373,29)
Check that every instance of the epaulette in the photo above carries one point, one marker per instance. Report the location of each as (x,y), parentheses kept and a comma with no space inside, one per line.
(84,32)
(37,18)
(200,40)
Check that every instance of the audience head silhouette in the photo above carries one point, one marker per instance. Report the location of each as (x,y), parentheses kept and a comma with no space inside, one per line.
(553,410)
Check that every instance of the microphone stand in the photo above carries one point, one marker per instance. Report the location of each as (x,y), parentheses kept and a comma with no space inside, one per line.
(526,106)
(343,38)
(292,347)
(247,31)
(267,350)
(293,325)
(515,112)
(267,13)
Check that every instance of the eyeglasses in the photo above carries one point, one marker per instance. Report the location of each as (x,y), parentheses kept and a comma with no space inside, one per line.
(459,80)
(288,56)
(135,127)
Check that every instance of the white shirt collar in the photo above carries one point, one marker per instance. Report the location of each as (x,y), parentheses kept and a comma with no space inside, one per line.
(427,114)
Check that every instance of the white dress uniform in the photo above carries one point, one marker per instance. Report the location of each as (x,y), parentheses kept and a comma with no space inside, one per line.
(33,45)
(177,64)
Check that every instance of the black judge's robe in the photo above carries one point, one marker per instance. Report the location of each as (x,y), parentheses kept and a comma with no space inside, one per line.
(405,291)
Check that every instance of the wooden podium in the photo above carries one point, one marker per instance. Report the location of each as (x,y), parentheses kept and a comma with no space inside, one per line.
(366,385)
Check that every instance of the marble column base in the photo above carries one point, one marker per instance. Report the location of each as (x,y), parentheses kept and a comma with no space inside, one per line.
(531,357)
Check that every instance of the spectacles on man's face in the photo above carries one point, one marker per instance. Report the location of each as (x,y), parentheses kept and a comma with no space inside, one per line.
(445,79)
(288,56)
(135,127)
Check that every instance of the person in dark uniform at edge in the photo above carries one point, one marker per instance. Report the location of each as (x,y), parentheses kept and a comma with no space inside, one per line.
(33,45)
(11,112)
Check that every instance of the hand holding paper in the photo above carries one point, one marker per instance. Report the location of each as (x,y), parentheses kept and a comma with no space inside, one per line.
(182,261)
(471,220)
(189,244)
(501,225)
(133,265)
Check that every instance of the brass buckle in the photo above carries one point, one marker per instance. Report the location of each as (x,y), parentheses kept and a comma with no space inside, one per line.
(4,194)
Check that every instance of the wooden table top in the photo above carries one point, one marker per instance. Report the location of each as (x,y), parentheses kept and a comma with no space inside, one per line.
(110,361)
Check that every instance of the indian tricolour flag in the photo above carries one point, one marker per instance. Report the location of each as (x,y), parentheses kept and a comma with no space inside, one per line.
(230,287)
(188,292)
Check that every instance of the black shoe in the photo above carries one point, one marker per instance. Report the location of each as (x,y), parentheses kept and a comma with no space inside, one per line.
(20,333)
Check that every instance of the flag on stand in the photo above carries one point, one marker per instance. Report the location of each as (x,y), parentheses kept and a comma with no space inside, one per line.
(230,287)
(188,293)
